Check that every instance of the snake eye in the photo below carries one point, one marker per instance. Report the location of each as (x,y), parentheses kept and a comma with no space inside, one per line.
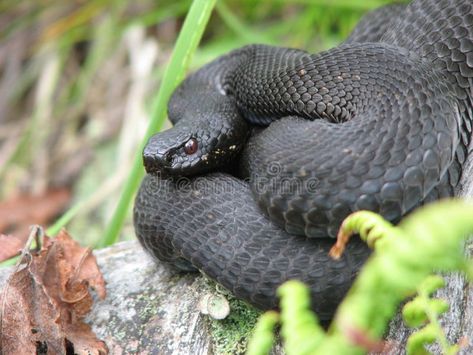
(191,146)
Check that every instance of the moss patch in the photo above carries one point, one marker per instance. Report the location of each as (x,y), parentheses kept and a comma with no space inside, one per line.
(230,335)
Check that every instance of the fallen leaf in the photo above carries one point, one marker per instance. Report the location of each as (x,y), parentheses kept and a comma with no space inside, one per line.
(45,301)
(28,317)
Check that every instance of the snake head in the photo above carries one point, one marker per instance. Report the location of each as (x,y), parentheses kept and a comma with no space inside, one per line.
(170,151)
(202,140)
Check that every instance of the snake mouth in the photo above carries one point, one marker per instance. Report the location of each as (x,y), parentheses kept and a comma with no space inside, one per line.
(157,163)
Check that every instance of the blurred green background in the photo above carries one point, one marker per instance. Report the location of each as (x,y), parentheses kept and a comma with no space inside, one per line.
(77,79)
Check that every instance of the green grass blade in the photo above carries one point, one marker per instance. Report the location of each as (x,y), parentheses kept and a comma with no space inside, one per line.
(186,44)
(53,230)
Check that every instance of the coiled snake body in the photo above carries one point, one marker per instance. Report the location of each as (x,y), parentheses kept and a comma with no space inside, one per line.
(382,122)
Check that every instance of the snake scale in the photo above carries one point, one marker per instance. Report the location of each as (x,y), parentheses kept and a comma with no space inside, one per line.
(273,147)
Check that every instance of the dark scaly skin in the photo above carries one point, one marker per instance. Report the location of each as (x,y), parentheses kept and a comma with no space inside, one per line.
(376,159)
(381,126)
(214,224)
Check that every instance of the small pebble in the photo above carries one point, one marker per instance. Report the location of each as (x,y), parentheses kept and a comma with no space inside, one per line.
(216,306)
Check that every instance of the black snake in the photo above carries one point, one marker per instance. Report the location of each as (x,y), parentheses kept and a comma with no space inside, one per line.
(381,122)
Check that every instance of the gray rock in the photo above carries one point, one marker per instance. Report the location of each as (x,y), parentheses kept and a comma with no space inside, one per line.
(149,309)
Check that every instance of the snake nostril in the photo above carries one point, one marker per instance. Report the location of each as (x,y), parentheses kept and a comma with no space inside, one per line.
(147,162)
(168,158)
(155,162)
(150,164)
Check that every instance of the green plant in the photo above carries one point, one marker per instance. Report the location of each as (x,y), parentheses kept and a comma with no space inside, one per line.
(430,239)
(186,44)
(423,311)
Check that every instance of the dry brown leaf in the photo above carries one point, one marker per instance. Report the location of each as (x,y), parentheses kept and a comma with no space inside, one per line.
(44,303)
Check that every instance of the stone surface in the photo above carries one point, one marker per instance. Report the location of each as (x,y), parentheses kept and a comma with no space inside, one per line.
(149,309)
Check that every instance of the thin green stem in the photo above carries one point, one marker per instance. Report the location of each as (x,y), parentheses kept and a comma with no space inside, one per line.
(186,44)
(65,218)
